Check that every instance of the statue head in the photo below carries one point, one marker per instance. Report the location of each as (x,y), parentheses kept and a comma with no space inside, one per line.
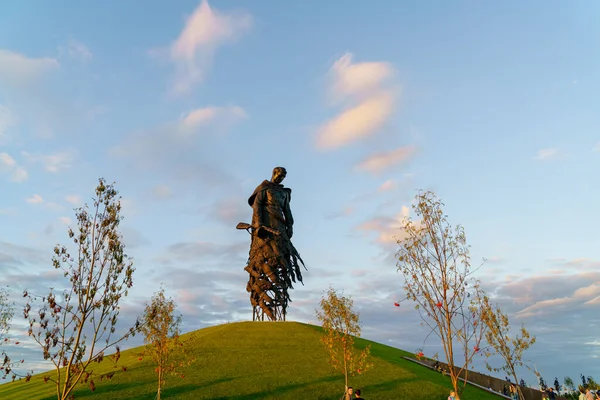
(279,174)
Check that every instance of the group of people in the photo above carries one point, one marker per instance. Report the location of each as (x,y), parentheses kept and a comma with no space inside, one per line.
(585,393)
(349,394)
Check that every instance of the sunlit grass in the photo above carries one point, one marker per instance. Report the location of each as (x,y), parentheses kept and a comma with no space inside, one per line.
(257,360)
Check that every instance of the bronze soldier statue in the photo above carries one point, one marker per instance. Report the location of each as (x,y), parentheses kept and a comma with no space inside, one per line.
(274,262)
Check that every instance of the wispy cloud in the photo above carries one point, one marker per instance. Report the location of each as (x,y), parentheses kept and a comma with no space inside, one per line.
(65,220)
(576,264)
(372,102)
(10,166)
(7,161)
(540,296)
(199,117)
(52,162)
(17,69)
(357,122)
(388,229)
(172,150)
(74,199)
(357,80)
(35,199)
(345,212)
(546,154)
(232,210)
(19,174)
(378,162)
(76,50)
(205,30)
(179,135)
(388,185)
(32,85)
(596,148)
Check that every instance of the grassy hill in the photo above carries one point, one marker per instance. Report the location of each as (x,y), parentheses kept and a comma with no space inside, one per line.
(257,360)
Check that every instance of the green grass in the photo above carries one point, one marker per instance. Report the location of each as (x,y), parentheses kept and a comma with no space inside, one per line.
(257,360)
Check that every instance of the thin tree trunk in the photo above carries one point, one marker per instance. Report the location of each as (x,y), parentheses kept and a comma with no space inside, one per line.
(517,386)
(159,383)
(345,371)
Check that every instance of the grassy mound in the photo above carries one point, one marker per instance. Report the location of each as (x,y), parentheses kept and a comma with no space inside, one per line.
(256,360)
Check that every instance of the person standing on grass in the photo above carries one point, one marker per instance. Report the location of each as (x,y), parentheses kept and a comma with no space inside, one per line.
(452,395)
(357,394)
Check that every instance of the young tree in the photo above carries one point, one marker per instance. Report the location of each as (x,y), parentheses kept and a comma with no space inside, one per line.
(556,385)
(435,262)
(6,314)
(569,384)
(9,367)
(509,348)
(161,330)
(342,325)
(76,327)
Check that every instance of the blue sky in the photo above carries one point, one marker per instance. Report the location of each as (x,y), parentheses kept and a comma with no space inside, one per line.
(188,106)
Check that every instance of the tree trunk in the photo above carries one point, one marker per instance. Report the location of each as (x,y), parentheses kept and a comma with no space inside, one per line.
(159,383)
(517,386)
(345,371)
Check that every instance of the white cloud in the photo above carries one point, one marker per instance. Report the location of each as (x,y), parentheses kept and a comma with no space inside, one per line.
(202,116)
(381,161)
(6,160)
(546,154)
(371,103)
(577,264)
(77,50)
(74,199)
(28,82)
(10,166)
(35,199)
(583,293)
(387,185)
(52,162)
(339,213)
(19,174)
(204,31)
(388,230)
(65,220)
(588,291)
(358,79)
(171,140)
(17,69)
(356,123)
(596,148)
